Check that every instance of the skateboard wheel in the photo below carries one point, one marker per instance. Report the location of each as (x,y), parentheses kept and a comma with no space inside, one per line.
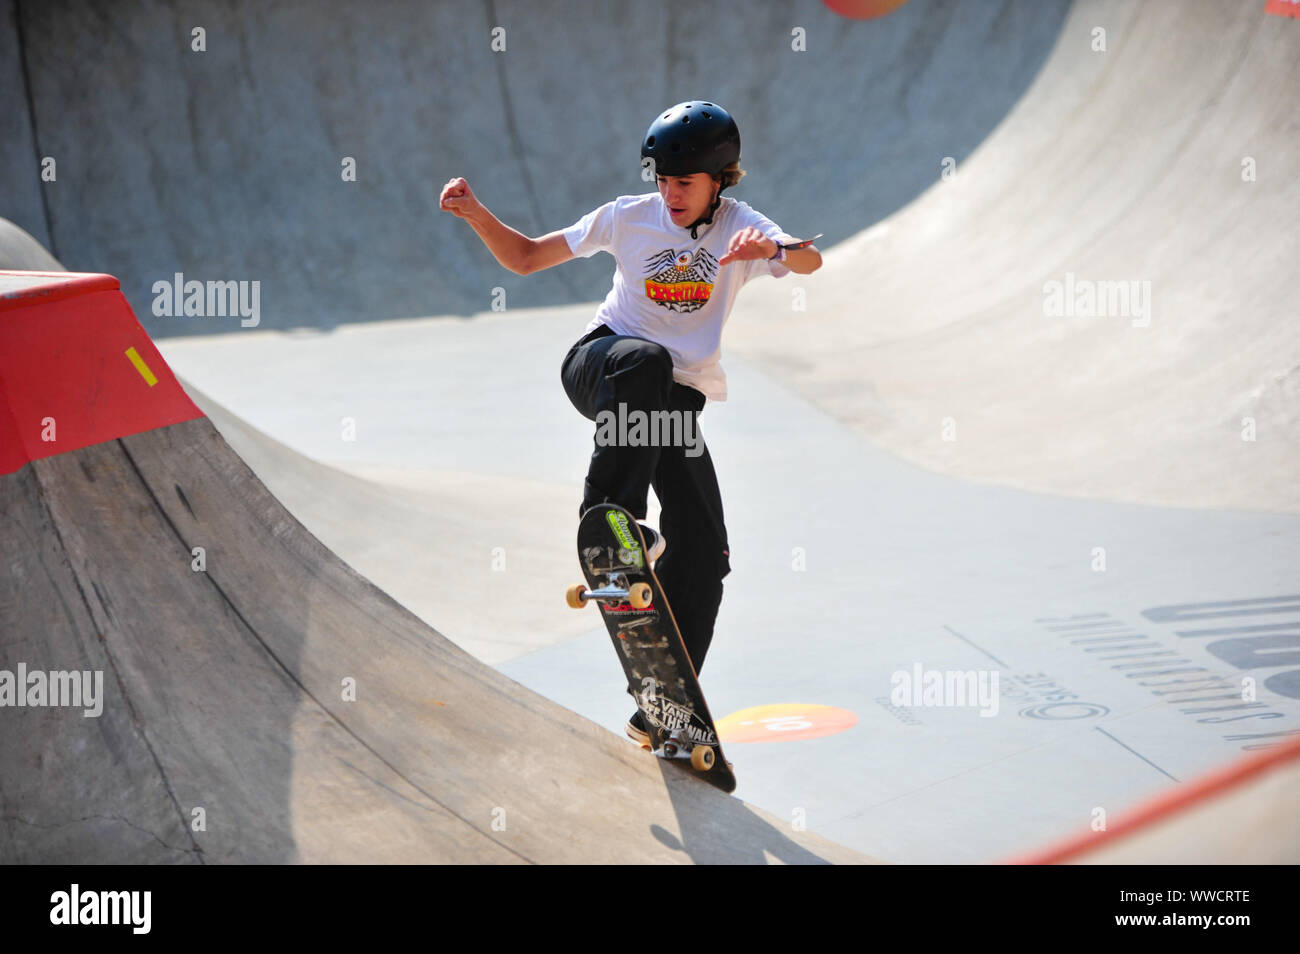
(639,595)
(702,758)
(575,597)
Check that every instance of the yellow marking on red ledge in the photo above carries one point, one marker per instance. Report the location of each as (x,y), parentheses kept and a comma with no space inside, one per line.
(140,366)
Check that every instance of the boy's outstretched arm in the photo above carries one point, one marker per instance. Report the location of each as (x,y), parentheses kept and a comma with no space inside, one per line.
(750,243)
(514,250)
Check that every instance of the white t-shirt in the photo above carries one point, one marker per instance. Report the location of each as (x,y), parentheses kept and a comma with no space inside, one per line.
(668,287)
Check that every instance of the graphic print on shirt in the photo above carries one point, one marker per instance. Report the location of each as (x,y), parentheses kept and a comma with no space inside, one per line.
(680,281)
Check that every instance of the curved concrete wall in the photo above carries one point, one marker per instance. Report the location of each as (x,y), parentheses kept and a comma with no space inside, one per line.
(226,164)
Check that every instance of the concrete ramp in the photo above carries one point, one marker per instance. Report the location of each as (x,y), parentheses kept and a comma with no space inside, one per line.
(260,701)
(19,249)
(1100,302)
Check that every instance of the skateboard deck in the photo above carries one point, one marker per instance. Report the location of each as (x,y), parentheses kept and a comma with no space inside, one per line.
(660,676)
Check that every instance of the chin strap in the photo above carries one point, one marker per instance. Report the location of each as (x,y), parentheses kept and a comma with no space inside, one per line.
(707,217)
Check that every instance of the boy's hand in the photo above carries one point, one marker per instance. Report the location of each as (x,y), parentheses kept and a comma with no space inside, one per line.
(458,199)
(746,245)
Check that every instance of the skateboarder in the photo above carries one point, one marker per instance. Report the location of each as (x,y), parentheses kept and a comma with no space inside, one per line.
(682,254)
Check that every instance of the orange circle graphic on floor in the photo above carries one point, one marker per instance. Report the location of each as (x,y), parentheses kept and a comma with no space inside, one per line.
(784,722)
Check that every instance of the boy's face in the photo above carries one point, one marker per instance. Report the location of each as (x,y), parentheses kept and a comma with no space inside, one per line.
(687,197)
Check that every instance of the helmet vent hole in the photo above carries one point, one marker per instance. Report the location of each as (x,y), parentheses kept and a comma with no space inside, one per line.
(650,142)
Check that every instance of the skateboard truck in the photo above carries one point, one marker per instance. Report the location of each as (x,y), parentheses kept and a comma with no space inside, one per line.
(701,755)
(615,590)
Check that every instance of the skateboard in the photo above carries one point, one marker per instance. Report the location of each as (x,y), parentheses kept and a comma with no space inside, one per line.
(660,676)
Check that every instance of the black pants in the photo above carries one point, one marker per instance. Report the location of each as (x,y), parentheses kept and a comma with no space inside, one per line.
(603,370)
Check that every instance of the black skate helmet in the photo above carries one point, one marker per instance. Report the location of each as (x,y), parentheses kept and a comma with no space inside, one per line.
(691,137)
